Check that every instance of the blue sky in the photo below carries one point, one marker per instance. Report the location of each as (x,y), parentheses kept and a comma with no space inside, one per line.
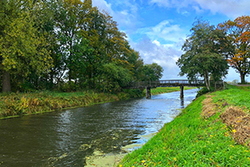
(157,29)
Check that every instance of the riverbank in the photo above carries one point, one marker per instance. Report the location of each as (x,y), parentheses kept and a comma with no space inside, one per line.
(18,104)
(204,134)
(160,90)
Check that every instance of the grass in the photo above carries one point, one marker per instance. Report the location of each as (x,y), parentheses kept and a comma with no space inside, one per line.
(234,95)
(160,90)
(17,104)
(191,140)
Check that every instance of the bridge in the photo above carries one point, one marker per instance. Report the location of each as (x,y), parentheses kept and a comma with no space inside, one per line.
(168,83)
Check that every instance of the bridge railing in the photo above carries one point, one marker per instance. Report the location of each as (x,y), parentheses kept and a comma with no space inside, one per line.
(144,84)
(182,82)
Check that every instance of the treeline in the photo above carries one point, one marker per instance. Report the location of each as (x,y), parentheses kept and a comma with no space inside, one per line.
(65,45)
(210,50)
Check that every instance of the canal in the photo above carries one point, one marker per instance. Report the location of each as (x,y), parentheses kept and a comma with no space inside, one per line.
(70,137)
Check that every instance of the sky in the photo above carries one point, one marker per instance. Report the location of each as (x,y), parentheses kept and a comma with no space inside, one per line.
(157,29)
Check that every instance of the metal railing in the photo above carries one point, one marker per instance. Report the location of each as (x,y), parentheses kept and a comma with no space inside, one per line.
(162,83)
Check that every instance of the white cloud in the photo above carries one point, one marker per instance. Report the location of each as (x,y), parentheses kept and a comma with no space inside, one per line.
(230,8)
(156,42)
(185,13)
(165,3)
(126,18)
(153,52)
(197,9)
(103,5)
(170,33)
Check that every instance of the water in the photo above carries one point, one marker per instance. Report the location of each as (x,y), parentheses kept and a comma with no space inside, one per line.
(66,138)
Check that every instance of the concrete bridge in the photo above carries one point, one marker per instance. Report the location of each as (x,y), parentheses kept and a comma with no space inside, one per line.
(168,83)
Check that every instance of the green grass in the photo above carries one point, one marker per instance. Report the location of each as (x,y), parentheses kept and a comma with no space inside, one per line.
(190,140)
(234,95)
(16,104)
(160,90)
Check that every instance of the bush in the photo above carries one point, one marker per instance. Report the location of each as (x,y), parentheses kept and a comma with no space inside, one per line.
(202,91)
(69,86)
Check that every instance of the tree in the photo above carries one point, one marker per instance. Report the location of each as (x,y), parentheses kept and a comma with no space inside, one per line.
(239,33)
(68,26)
(46,43)
(21,46)
(114,77)
(152,72)
(203,55)
(136,65)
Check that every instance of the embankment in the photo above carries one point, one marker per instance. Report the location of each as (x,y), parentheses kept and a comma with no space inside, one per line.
(211,132)
(18,104)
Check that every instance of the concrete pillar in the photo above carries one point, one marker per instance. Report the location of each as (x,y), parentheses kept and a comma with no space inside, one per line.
(148,92)
(181,92)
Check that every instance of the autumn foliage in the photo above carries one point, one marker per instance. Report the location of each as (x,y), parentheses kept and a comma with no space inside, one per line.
(238,31)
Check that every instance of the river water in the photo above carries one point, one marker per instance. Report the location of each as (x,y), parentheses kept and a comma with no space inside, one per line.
(66,138)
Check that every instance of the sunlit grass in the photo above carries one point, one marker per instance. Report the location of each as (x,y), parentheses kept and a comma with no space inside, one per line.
(160,90)
(234,95)
(191,140)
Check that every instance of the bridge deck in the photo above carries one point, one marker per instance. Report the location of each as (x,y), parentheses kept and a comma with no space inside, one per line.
(165,83)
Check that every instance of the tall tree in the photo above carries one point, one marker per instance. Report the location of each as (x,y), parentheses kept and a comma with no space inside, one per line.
(239,33)
(68,26)
(203,55)
(93,29)
(21,46)
(151,72)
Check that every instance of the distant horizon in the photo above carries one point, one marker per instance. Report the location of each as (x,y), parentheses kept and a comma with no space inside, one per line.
(157,29)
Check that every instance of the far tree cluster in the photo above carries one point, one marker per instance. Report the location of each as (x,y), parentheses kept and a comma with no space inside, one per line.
(65,45)
(210,50)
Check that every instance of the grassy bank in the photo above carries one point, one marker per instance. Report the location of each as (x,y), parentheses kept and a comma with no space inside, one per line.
(160,90)
(195,140)
(16,104)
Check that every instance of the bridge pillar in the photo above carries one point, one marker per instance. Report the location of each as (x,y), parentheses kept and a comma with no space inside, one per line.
(181,92)
(148,92)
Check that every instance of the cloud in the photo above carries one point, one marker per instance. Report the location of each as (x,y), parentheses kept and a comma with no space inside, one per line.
(153,52)
(230,8)
(103,5)
(164,31)
(178,4)
(126,18)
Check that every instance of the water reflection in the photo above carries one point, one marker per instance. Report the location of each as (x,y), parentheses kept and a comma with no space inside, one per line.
(182,103)
(65,138)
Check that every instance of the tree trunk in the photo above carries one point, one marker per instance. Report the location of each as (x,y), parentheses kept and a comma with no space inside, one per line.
(242,77)
(70,61)
(70,70)
(51,78)
(6,82)
(90,82)
(207,81)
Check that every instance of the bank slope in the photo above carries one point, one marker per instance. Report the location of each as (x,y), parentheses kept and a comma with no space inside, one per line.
(16,104)
(191,140)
